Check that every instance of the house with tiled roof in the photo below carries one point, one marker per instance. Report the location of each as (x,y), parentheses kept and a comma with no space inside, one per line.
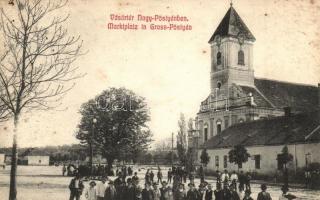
(264,140)
(241,107)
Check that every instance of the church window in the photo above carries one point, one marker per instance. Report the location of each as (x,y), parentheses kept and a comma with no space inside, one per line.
(225,161)
(257,159)
(219,85)
(217,161)
(205,132)
(218,127)
(240,57)
(219,58)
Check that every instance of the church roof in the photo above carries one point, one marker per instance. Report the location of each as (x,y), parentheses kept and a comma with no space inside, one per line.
(274,94)
(259,99)
(301,98)
(232,25)
(300,128)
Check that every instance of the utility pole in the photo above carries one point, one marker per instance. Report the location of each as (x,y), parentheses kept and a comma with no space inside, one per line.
(94,121)
(172,149)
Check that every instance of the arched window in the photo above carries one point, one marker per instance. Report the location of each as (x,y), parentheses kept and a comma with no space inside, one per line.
(218,127)
(240,58)
(219,85)
(205,132)
(219,58)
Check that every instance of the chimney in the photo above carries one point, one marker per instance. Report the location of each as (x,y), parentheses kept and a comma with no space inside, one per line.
(287,111)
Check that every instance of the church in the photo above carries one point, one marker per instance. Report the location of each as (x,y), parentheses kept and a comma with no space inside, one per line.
(261,114)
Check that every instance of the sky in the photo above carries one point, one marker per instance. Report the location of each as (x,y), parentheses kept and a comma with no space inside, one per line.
(171,68)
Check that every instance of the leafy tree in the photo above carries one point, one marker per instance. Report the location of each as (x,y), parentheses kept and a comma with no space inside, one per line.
(36,63)
(171,155)
(190,160)
(181,140)
(204,157)
(121,124)
(238,155)
(285,157)
(148,158)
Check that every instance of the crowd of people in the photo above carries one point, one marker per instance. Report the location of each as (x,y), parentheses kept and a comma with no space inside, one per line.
(126,187)
(96,171)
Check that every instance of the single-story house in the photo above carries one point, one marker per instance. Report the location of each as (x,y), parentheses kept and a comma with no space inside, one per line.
(264,140)
(38,160)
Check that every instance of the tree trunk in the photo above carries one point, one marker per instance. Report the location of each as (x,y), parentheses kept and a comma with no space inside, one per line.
(109,161)
(14,162)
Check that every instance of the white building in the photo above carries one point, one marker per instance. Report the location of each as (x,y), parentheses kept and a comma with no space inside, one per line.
(265,139)
(259,114)
(2,159)
(236,95)
(38,160)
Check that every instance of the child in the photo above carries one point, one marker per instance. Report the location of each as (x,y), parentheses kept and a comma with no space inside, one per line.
(91,191)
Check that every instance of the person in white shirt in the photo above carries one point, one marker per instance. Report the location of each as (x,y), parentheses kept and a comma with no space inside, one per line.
(234,179)
(91,191)
(225,178)
(101,188)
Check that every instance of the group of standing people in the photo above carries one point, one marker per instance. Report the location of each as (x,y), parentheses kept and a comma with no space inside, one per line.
(128,188)
(239,181)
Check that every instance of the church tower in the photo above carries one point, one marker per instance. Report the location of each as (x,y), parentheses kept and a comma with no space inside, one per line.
(231,55)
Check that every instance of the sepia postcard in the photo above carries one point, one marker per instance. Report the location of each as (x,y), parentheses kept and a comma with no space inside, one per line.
(159,99)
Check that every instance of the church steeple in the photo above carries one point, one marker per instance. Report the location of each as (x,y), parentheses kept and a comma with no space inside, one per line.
(231,53)
(232,25)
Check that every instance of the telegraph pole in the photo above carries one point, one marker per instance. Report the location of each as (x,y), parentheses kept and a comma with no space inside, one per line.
(172,149)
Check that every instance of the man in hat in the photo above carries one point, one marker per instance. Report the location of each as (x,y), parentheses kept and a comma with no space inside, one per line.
(264,195)
(218,192)
(110,193)
(180,194)
(91,191)
(137,189)
(164,191)
(192,193)
(208,193)
(76,187)
(129,190)
(135,177)
(156,192)
(101,188)
(169,175)
(159,175)
(147,193)
(226,193)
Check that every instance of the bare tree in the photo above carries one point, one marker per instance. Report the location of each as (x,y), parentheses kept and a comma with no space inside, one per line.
(36,65)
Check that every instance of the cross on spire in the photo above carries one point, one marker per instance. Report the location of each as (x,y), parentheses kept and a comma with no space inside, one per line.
(231,3)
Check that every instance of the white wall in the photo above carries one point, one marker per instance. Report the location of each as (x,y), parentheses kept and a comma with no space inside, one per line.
(2,157)
(268,162)
(38,160)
